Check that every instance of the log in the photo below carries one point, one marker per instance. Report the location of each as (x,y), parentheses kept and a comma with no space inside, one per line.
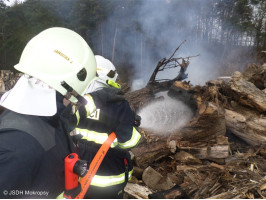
(215,151)
(145,154)
(252,130)
(247,93)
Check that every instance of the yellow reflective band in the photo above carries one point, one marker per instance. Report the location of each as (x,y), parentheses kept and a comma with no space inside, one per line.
(105,181)
(130,175)
(90,106)
(133,140)
(76,112)
(93,136)
(113,84)
(102,69)
(77,116)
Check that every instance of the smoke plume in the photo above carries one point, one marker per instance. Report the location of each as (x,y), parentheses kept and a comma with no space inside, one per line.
(152,30)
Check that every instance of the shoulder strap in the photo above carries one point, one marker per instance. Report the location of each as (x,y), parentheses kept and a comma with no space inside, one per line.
(33,125)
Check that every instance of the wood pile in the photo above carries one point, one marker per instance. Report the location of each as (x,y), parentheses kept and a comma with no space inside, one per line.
(220,153)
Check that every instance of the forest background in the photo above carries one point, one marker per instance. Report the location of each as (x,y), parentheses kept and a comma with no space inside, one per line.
(136,34)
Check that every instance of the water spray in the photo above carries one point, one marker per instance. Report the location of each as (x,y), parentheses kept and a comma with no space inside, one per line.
(165,116)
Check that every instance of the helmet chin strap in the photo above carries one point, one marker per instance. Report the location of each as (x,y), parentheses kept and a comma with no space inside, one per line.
(72,92)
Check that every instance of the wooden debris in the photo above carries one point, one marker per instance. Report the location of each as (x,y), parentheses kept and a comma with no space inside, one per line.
(263,187)
(187,158)
(155,180)
(174,193)
(172,146)
(137,191)
(225,195)
(217,166)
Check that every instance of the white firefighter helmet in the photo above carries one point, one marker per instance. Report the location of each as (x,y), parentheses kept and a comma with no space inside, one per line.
(62,59)
(105,69)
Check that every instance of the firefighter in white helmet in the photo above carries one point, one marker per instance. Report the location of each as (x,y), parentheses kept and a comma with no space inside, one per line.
(116,168)
(34,135)
(107,74)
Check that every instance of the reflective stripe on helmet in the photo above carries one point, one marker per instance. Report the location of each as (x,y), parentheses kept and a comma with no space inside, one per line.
(105,181)
(133,140)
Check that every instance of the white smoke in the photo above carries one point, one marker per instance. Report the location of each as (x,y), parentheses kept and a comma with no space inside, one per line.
(165,24)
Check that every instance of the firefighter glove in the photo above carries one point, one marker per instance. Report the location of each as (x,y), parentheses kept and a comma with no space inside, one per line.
(108,94)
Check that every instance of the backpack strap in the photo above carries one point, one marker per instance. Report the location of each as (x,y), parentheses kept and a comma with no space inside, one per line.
(33,125)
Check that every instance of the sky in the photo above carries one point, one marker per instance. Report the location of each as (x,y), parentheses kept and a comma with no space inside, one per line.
(10,2)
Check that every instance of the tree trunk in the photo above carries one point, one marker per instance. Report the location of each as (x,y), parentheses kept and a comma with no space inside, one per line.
(113,52)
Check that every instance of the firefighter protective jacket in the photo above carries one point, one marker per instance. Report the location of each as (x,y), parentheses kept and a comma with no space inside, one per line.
(116,168)
(32,152)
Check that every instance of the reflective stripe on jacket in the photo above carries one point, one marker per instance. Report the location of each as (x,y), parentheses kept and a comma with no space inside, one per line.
(105,181)
(99,138)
